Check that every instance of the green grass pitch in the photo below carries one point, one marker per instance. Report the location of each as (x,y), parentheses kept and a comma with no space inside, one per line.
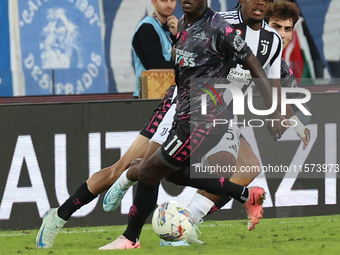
(307,235)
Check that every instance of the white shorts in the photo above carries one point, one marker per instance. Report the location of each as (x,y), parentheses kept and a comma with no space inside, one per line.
(230,142)
(164,127)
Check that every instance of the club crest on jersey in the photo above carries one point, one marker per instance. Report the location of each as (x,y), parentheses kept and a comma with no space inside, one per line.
(264,45)
(238,31)
(238,43)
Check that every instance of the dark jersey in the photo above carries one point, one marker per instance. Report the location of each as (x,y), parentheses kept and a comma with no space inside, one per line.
(288,80)
(206,49)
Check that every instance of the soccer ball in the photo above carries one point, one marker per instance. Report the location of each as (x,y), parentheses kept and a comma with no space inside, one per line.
(172,221)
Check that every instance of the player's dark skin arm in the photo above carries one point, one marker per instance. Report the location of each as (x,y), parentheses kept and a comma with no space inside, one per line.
(263,85)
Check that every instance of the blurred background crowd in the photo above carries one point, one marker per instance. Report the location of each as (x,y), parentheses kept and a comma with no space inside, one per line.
(61,47)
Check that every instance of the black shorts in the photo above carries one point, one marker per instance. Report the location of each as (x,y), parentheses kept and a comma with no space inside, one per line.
(150,128)
(185,146)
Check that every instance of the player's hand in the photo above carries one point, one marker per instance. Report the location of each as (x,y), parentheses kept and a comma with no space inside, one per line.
(276,129)
(306,138)
(172,22)
(173,53)
(300,130)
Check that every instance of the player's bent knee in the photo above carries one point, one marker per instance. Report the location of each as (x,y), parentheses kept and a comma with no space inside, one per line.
(153,171)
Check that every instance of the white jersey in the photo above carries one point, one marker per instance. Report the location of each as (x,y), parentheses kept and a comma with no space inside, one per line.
(266,45)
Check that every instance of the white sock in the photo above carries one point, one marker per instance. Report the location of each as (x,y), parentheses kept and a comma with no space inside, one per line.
(124,181)
(199,207)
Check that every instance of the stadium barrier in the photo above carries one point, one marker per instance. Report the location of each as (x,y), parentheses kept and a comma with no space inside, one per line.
(49,148)
(154,83)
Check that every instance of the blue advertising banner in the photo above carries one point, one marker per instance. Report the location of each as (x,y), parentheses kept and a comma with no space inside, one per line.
(61,47)
(5,63)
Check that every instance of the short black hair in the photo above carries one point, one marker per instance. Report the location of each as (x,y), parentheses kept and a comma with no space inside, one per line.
(283,9)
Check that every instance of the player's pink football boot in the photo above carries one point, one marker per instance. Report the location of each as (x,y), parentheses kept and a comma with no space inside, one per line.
(254,206)
(120,243)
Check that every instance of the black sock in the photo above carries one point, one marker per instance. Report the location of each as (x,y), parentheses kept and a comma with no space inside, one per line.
(143,205)
(80,197)
(219,204)
(221,187)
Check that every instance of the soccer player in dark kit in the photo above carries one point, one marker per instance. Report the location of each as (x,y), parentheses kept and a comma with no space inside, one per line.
(264,41)
(207,47)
